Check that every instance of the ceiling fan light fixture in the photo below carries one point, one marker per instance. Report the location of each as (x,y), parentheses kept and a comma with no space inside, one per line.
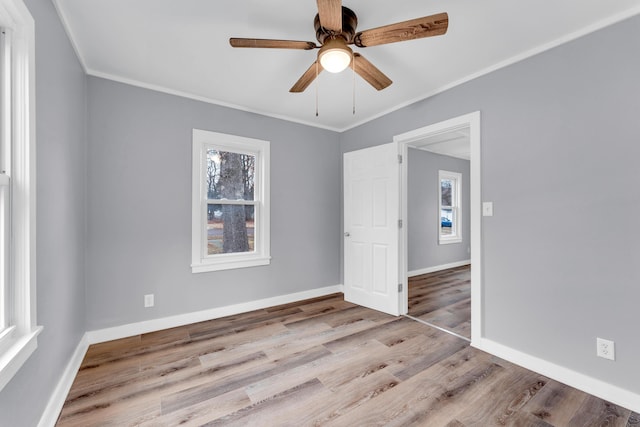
(335,55)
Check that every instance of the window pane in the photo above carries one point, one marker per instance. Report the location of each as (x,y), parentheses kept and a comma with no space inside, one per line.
(446,221)
(230,228)
(230,175)
(446,189)
(5,232)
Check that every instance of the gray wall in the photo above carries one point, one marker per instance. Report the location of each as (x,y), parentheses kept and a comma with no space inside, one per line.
(560,162)
(139,210)
(422,214)
(61,142)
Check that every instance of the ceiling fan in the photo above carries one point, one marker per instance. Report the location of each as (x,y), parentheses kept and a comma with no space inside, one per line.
(335,27)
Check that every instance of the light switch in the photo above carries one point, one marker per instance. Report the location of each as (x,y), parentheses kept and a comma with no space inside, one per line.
(487,208)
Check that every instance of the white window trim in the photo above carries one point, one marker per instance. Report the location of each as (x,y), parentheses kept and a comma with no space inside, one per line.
(200,261)
(455,237)
(19,341)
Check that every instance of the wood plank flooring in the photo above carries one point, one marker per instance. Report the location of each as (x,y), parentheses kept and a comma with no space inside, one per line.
(322,362)
(443,298)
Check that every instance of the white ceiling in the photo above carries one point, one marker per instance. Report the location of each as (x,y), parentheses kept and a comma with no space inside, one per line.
(454,143)
(181,47)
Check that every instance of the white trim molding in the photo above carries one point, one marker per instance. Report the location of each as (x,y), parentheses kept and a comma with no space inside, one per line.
(456,207)
(15,353)
(57,399)
(472,122)
(596,387)
(201,260)
(56,402)
(419,97)
(146,326)
(440,267)
(19,126)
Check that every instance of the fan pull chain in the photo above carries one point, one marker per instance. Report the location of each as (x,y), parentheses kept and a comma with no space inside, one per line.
(317,84)
(353,65)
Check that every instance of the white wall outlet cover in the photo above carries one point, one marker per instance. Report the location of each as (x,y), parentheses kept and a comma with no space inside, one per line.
(487,208)
(606,349)
(149,300)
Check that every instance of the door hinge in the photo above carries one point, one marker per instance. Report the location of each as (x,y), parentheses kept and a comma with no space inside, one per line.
(399,287)
(400,158)
(399,223)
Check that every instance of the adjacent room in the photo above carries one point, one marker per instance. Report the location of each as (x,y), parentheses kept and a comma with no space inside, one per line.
(439,251)
(319,213)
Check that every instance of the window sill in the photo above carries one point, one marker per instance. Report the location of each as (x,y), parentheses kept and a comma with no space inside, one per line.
(16,354)
(207,266)
(449,241)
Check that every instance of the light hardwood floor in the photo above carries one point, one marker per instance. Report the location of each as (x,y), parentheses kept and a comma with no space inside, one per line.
(322,362)
(443,298)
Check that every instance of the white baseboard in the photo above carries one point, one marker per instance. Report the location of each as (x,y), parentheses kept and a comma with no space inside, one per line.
(598,388)
(131,329)
(614,394)
(54,406)
(56,402)
(438,268)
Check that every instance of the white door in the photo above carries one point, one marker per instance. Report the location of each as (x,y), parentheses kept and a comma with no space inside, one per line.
(371,214)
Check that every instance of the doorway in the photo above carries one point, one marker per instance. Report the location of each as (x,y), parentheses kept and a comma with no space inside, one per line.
(435,135)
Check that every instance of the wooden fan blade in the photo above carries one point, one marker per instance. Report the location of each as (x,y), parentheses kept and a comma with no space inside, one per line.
(306,79)
(330,12)
(434,25)
(369,72)
(272,44)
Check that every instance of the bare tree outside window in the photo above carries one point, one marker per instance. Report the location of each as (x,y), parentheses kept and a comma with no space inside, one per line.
(230,212)
(213,175)
(446,192)
(232,187)
(230,178)
(248,178)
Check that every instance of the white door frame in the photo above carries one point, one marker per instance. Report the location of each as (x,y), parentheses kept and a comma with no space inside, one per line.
(471,121)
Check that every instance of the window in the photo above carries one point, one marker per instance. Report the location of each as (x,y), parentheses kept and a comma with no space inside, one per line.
(230,205)
(18,330)
(450,212)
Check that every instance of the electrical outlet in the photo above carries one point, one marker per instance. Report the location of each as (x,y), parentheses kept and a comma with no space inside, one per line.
(606,349)
(148,300)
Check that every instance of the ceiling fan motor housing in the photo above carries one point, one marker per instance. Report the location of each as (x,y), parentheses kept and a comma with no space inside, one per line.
(349,24)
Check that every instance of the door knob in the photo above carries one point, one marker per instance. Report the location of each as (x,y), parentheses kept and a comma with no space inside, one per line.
(346,234)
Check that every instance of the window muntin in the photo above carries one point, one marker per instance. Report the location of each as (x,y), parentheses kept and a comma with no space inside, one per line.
(449,208)
(230,202)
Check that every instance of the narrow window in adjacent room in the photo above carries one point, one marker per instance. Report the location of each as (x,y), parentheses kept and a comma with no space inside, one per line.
(230,202)
(449,212)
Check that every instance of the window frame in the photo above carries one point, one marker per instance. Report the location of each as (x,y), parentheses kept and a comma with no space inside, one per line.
(456,208)
(19,339)
(201,261)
